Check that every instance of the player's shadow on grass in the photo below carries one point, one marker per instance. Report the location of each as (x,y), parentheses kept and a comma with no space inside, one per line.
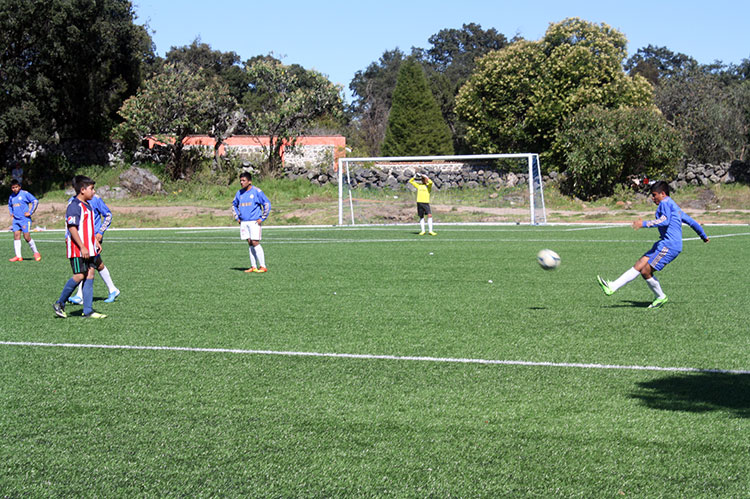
(239,269)
(700,392)
(630,304)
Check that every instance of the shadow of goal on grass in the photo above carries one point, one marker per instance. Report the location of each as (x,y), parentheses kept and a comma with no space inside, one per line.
(700,392)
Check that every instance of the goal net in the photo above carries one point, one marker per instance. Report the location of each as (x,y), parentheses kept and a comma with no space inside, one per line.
(466,188)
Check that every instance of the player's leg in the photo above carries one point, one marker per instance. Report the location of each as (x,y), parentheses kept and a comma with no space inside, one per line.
(30,241)
(245,234)
(88,290)
(421,214)
(429,222)
(260,256)
(112,290)
(656,262)
(78,276)
(16,243)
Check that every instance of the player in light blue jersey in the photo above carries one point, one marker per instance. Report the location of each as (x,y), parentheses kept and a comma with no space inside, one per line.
(250,208)
(102,221)
(22,205)
(668,220)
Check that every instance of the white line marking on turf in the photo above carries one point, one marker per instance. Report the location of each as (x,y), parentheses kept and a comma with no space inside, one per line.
(381,357)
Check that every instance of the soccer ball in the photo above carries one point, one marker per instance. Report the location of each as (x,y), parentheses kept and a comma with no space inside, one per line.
(548,259)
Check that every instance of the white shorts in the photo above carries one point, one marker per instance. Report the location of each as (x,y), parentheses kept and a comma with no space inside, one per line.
(250,230)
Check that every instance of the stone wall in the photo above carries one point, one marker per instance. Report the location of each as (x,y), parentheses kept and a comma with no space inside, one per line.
(705,174)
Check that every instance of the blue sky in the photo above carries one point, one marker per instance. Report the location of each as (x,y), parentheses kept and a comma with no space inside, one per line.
(339,38)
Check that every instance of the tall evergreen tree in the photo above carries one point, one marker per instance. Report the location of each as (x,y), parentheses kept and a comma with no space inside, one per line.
(415,125)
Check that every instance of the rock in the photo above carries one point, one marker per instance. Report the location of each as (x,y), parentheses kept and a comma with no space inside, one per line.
(141,182)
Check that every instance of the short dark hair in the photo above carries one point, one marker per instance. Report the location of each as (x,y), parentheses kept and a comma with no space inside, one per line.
(80,182)
(246,175)
(660,186)
(15,182)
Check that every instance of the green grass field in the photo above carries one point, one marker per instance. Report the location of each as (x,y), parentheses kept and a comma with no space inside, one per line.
(374,362)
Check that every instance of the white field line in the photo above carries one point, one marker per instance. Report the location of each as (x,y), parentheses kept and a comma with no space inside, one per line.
(273,241)
(380,357)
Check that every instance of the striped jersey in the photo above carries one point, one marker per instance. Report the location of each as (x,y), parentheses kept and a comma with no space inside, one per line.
(250,204)
(102,213)
(80,215)
(22,203)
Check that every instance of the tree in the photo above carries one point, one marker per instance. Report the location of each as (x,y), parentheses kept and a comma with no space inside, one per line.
(450,60)
(713,117)
(415,125)
(282,101)
(519,96)
(604,147)
(225,65)
(174,104)
(66,67)
(373,94)
(657,63)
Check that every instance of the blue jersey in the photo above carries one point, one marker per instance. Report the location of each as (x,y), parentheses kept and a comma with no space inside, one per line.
(693,225)
(22,203)
(102,214)
(250,204)
(669,222)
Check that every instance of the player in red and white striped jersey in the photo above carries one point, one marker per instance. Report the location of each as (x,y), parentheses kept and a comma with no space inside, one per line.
(83,247)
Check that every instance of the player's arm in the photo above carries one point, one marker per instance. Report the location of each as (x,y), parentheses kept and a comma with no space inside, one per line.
(687,219)
(106,215)
(76,238)
(33,204)
(265,207)
(413,182)
(236,207)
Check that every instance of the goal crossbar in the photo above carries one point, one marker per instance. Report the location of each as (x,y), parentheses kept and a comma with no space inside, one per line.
(535,179)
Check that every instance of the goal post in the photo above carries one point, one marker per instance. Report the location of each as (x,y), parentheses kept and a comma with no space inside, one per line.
(451,173)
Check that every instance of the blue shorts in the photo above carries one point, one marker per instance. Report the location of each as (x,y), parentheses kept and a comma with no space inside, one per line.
(660,255)
(22,225)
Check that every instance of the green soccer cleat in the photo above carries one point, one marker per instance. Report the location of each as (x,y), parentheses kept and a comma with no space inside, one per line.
(432,233)
(605,286)
(59,309)
(422,233)
(95,315)
(658,302)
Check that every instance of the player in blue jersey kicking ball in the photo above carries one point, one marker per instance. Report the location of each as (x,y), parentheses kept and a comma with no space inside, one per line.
(22,205)
(251,208)
(669,218)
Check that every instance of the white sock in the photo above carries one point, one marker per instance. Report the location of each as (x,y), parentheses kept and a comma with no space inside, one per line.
(32,245)
(104,273)
(79,292)
(17,247)
(655,286)
(625,278)
(421,223)
(429,223)
(252,258)
(260,255)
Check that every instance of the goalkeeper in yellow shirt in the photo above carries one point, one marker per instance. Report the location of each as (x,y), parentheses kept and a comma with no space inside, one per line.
(423,184)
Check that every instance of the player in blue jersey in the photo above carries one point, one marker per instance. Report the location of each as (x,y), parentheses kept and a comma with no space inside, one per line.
(102,221)
(22,205)
(668,220)
(251,208)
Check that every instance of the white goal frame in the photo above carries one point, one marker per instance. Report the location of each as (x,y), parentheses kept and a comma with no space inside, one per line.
(535,178)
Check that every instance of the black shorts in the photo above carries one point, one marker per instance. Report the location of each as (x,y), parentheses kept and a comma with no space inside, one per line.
(423,209)
(82,265)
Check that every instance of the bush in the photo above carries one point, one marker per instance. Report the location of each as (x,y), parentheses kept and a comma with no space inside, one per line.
(603,147)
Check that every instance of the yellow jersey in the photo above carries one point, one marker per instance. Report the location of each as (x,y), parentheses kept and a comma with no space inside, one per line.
(423,190)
